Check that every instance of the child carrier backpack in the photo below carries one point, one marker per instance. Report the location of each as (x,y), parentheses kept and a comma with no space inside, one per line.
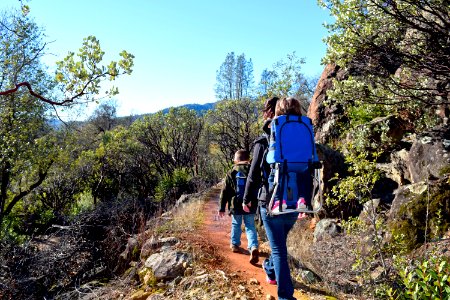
(294,179)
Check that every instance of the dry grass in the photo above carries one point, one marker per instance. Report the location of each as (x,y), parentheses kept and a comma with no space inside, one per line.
(300,239)
(189,216)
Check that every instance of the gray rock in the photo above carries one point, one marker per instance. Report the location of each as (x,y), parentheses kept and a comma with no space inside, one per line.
(153,244)
(429,155)
(308,277)
(326,228)
(186,198)
(397,168)
(156,297)
(403,195)
(168,264)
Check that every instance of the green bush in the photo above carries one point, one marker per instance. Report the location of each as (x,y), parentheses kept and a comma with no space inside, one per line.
(84,202)
(429,279)
(172,185)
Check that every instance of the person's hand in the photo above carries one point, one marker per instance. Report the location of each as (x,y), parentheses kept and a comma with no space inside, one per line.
(221,214)
(246,207)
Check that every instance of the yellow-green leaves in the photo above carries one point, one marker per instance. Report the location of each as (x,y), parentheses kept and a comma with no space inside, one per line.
(429,279)
(81,75)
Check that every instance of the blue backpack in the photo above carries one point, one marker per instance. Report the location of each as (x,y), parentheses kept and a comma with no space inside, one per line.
(292,157)
(241,180)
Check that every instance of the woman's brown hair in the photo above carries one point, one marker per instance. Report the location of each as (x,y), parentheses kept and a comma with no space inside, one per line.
(269,108)
(288,106)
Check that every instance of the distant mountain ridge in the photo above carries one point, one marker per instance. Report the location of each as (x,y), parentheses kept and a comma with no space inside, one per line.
(199,108)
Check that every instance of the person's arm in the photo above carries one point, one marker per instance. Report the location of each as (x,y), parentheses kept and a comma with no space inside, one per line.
(254,175)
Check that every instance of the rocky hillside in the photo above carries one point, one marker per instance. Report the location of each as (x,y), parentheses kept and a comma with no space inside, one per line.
(408,209)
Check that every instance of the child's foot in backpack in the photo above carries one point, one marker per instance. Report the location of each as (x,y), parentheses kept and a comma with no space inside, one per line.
(276,206)
(301,203)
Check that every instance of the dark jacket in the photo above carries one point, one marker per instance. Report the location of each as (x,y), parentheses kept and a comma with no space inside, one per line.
(259,170)
(228,194)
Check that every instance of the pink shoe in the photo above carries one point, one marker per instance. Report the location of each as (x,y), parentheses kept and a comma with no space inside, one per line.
(271,281)
(301,203)
(276,206)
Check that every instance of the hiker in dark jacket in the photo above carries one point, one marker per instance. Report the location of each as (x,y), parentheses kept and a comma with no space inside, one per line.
(257,183)
(277,227)
(232,195)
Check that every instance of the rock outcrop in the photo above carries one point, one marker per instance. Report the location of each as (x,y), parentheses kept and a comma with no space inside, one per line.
(325,117)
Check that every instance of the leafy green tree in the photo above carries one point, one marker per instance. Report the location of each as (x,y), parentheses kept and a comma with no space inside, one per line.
(24,162)
(267,81)
(104,117)
(234,78)
(170,139)
(27,147)
(79,77)
(287,80)
(233,125)
(396,53)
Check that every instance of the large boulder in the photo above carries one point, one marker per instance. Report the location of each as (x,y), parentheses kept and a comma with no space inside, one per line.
(404,195)
(397,168)
(420,211)
(333,162)
(168,264)
(153,244)
(325,117)
(429,156)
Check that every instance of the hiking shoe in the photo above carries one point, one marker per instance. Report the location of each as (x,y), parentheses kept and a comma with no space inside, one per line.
(271,281)
(254,256)
(234,248)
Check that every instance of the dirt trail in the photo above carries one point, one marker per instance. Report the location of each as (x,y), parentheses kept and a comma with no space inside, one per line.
(217,231)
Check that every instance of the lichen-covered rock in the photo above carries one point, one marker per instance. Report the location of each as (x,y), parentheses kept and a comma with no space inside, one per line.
(397,168)
(168,264)
(325,228)
(153,244)
(429,156)
(420,210)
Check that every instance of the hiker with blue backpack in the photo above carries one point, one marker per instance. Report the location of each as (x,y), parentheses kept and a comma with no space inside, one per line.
(280,173)
(232,195)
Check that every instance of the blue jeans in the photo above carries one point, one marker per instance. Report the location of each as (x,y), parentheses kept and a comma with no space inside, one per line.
(277,229)
(250,230)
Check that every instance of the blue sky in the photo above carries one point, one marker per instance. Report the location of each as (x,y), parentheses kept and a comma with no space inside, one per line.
(178,44)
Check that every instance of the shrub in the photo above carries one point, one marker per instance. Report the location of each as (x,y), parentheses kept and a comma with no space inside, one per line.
(429,279)
(173,185)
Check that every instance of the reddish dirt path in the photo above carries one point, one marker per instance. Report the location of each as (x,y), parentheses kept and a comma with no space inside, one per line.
(217,231)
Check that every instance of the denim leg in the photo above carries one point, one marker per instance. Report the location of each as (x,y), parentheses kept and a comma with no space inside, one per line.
(277,229)
(236,231)
(250,231)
